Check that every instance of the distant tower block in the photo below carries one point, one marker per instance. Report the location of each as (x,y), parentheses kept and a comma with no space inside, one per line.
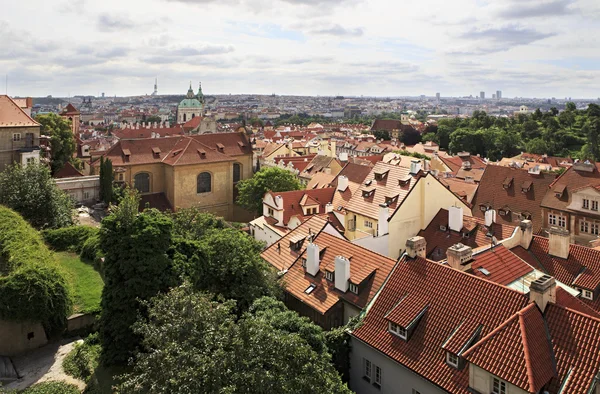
(155,92)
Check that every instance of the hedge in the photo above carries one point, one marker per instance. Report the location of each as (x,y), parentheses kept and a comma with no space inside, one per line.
(32,285)
(69,239)
(82,361)
(53,387)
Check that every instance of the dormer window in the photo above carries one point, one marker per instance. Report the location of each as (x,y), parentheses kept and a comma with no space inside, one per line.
(507,183)
(397,330)
(367,193)
(329,276)
(594,205)
(587,294)
(353,288)
(390,200)
(452,359)
(484,207)
(503,211)
(404,182)
(380,176)
(526,186)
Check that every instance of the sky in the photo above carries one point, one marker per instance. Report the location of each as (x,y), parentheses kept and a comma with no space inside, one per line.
(525,48)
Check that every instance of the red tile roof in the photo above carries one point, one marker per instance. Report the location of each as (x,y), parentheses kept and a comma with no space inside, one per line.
(492,193)
(386,125)
(292,200)
(438,241)
(367,268)
(12,115)
(68,171)
(70,110)
(501,265)
(517,351)
(571,180)
(453,297)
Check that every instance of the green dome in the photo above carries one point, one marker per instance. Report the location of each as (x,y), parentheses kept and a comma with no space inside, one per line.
(190,103)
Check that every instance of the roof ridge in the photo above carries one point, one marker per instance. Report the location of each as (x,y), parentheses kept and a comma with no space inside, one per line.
(21,109)
(525,342)
(597,319)
(492,333)
(360,247)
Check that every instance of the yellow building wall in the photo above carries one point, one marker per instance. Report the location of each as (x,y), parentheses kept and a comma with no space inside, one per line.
(437,164)
(218,201)
(8,147)
(418,209)
(157,175)
(361,229)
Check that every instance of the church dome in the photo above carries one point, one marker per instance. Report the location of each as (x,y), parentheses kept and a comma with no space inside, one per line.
(190,100)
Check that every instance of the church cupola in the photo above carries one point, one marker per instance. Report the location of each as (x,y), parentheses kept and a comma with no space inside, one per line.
(200,95)
(190,93)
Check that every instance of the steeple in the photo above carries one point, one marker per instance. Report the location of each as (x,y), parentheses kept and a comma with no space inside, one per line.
(200,95)
(190,93)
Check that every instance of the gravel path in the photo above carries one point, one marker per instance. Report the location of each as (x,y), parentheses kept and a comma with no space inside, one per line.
(44,364)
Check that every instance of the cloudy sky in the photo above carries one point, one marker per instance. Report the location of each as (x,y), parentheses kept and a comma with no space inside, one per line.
(530,48)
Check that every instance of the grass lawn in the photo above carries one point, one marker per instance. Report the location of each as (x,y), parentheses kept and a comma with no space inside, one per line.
(85,281)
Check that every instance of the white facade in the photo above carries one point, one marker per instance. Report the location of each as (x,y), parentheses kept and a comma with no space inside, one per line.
(82,189)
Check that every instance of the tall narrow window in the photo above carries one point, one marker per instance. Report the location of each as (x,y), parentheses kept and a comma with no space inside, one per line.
(237,172)
(367,369)
(594,205)
(586,203)
(498,386)
(203,184)
(142,182)
(377,376)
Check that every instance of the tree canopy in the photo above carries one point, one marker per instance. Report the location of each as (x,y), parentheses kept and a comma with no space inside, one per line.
(252,191)
(31,191)
(62,141)
(193,344)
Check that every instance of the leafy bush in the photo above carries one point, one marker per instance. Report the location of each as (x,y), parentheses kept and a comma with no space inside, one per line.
(91,250)
(69,239)
(33,286)
(83,359)
(54,387)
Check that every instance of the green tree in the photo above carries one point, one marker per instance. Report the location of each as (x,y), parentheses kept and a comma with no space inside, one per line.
(410,136)
(251,191)
(233,267)
(382,135)
(62,142)
(571,107)
(32,192)
(193,223)
(591,150)
(136,268)
(192,344)
(106,180)
(153,119)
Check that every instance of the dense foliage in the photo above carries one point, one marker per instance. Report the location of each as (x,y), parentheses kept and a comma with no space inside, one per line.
(252,191)
(106,180)
(570,133)
(192,344)
(51,387)
(83,360)
(32,287)
(62,141)
(69,239)
(32,192)
(192,223)
(136,268)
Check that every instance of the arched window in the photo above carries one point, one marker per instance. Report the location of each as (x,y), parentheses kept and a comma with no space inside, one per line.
(237,172)
(142,182)
(184,117)
(203,183)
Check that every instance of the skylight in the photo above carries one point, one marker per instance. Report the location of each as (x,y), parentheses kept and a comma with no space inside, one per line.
(310,288)
(484,271)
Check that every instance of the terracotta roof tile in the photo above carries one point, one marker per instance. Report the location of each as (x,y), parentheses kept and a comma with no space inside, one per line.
(68,171)
(570,181)
(292,201)
(12,115)
(500,265)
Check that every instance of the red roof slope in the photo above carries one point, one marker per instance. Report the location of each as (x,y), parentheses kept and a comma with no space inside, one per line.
(453,298)
(68,171)
(571,180)
(520,344)
(292,199)
(501,265)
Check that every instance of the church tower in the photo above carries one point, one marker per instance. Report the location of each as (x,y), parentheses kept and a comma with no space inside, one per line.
(191,106)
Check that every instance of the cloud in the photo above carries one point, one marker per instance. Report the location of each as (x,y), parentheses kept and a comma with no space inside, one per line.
(202,50)
(509,35)
(536,9)
(112,23)
(339,31)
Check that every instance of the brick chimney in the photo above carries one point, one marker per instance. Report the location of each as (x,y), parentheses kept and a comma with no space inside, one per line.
(312,259)
(558,243)
(459,257)
(416,246)
(542,291)
(342,273)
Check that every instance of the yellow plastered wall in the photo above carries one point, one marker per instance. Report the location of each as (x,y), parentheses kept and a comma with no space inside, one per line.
(361,229)
(418,209)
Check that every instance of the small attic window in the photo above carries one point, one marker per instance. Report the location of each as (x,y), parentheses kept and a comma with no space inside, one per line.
(329,276)
(503,211)
(397,330)
(443,227)
(559,190)
(380,176)
(507,183)
(220,147)
(404,181)
(526,186)
(368,193)
(202,152)
(452,359)
(391,200)
(483,207)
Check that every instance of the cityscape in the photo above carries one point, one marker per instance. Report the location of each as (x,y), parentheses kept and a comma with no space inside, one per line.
(300,196)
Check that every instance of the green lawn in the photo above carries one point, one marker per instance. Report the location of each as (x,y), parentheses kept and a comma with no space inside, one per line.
(85,281)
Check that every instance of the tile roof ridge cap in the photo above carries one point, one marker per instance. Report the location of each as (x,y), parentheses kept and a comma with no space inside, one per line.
(361,247)
(21,109)
(183,150)
(526,352)
(560,177)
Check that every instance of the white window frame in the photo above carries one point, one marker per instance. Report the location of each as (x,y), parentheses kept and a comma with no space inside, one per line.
(499,386)
(397,330)
(562,221)
(585,203)
(329,276)
(353,288)
(594,228)
(271,212)
(16,137)
(367,369)
(587,294)
(378,374)
(594,205)
(452,359)
(552,219)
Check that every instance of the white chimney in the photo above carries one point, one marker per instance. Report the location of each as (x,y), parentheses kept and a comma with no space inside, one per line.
(279,201)
(558,243)
(415,166)
(344,156)
(329,207)
(542,291)
(382,223)
(342,273)
(455,218)
(490,217)
(312,259)
(526,228)
(416,246)
(332,148)
(342,183)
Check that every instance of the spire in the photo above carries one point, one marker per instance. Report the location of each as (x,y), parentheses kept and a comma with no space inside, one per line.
(190,93)
(200,94)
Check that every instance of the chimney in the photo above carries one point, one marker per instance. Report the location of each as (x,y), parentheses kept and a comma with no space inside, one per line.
(344,156)
(559,242)
(542,291)
(312,259)
(458,257)
(490,217)
(342,183)
(455,218)
(342,273)
(329,207)
(416,246)
(332,148)
(526,227)
(415,166)
(382,222)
